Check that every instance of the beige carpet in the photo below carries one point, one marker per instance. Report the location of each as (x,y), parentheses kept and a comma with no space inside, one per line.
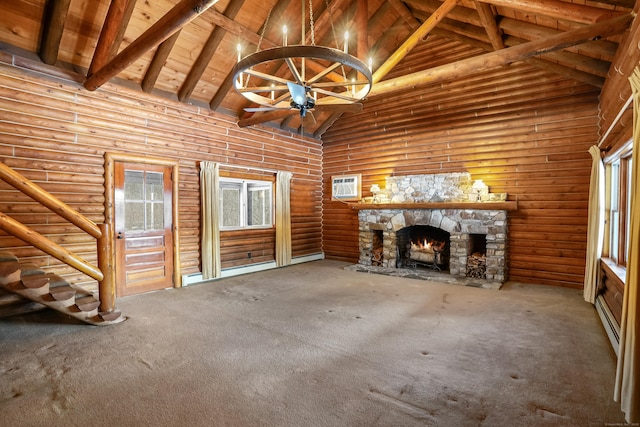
(315,345)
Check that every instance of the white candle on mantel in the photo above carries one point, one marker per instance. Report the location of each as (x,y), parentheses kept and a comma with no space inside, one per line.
(346,42)
(284,35)
(353,86)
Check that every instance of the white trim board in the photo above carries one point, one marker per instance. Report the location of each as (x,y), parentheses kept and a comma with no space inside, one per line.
(194,278)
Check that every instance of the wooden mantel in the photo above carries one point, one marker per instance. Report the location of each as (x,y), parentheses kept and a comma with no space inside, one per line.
(498,206)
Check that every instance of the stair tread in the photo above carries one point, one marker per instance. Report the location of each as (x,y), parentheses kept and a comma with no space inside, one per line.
(55,280)
(30,269)
(87,303)
(34,281)
(110,316)
(8,263)
(62,293)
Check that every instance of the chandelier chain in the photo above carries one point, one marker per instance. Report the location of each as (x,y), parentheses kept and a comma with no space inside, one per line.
(333,30)
(313,33)
(264,30)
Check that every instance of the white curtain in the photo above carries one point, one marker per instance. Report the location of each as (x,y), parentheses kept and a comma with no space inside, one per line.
(627,390)
(283,218)
(210,225)
(595,226)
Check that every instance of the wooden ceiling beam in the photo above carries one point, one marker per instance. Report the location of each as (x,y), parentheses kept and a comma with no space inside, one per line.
(157,63)
(594,48)
(55,16)
(541,63)
(559,10)
(181,14)
(421,9)
(405,13)
(488,19)
(112,33)
(413,39)
(505,56)
(265,117)
(326,125)
(207,52)
(594,66)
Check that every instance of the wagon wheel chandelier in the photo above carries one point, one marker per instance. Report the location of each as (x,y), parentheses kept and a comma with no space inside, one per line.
(302,77)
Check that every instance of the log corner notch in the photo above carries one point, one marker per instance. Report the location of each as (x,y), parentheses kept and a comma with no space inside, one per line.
(174,20)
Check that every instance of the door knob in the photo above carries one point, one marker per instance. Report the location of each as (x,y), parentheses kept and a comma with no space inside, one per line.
(120,235)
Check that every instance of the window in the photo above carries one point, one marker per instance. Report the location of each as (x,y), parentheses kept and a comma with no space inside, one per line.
(144,200)
(245,204)
(618,207)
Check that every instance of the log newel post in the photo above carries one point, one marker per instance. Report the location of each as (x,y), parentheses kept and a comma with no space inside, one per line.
(106,286)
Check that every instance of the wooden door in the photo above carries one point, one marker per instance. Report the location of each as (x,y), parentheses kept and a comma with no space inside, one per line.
(143,227)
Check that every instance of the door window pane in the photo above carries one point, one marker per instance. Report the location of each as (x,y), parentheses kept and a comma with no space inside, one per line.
(144,200)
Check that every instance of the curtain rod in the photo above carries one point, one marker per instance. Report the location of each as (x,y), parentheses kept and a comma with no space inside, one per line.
(248,168)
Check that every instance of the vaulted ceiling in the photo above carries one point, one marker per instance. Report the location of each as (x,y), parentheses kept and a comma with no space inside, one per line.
(186,49)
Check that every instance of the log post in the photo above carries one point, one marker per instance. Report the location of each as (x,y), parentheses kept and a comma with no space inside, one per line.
(106,286)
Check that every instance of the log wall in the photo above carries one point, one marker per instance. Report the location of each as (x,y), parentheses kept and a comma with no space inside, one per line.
(616,112)
(521,129)
(56,133)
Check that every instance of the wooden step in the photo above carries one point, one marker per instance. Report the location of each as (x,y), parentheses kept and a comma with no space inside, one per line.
(87,303)
(32,276)
(55,280)
(110,316)
(8,263)
(62,292)
(34,281)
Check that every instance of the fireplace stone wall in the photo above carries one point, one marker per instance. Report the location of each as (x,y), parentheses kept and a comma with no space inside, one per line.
(459,223)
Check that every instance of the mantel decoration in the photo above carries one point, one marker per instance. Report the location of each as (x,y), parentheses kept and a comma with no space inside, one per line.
(302,77)
(456,187)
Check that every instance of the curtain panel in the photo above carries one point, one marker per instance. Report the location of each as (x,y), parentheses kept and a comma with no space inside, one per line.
(627,388)
(210,206)
(595,226)
(283,218)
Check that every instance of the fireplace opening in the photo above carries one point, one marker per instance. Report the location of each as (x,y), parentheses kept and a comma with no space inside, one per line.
(423,246)
(377,248)
(477,256)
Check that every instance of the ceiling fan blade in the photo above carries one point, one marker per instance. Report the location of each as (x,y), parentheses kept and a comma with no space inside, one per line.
(298,93)
(340,108)
(257,109)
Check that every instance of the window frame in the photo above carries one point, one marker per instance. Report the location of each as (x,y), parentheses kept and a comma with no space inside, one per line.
(618,189)
(245,186)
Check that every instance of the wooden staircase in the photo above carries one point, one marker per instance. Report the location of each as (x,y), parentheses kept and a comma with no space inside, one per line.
(49,290)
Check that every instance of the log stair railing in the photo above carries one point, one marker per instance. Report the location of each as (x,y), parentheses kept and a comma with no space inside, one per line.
(46,289)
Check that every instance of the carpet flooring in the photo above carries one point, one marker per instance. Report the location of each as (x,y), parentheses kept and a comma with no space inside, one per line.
(315,344)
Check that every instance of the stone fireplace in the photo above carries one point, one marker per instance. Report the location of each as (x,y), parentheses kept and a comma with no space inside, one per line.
(462,233)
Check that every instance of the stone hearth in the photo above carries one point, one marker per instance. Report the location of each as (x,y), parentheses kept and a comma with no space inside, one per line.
(459,223)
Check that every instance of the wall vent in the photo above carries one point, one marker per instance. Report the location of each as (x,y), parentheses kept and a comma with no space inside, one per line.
(609,323)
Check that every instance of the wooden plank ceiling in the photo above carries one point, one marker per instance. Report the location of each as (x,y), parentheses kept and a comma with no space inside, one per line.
(186,49)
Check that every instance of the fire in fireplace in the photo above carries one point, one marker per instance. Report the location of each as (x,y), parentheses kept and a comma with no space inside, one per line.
(423,246)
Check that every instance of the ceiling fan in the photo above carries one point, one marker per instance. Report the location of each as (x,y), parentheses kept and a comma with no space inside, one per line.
(299,98)
(302,78)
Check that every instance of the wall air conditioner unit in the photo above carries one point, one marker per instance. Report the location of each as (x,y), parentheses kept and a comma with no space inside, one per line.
(346,187)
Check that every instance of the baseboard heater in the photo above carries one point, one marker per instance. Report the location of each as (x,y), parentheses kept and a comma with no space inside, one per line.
(191,279)
(609,323)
